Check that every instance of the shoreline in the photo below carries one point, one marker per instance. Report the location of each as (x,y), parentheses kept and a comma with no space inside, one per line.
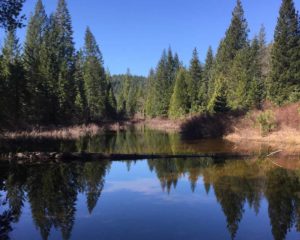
(76,131)
(246,140)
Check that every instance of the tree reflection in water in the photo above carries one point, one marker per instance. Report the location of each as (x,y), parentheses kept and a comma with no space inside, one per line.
(52,191)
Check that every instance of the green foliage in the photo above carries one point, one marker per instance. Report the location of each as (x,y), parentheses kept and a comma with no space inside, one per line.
(246,85)
(222,95)
(236,37)
(9,14)
(32,58)
(165,80)
(81,106)
(285,56)
(266,122)
(179,105)
(12,85)
(150,98)
(94,78)
(49,83)
(218,102)
(196,86)
(208,73)
(65,61)
(111,102)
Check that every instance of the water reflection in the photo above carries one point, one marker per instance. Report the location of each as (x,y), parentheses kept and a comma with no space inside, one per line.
(51,192)
(134,140)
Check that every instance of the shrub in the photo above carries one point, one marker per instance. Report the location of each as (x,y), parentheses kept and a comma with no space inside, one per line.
(266,121)
(288,116)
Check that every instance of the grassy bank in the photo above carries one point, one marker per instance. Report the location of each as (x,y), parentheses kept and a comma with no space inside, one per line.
(278,127)
(66,132)
(275,125)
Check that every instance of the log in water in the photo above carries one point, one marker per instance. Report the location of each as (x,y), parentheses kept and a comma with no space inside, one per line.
(39,157)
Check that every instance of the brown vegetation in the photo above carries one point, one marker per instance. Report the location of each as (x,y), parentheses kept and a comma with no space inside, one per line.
(283,127)
(274,127)
(73,132)
(164,124)
(209,125)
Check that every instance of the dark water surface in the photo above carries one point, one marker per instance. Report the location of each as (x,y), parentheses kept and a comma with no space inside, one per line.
(148,199)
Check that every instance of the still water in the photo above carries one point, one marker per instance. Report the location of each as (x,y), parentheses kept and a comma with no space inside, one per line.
(148,199)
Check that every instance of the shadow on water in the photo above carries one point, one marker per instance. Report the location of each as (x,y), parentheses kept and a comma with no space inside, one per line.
(52,191)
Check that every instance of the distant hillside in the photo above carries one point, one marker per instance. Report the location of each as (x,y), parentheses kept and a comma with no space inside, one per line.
(117,81)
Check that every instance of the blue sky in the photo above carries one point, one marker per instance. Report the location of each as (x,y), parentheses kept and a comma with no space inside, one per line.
(133,33)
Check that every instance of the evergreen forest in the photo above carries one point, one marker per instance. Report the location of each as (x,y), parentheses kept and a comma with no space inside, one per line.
(46,81)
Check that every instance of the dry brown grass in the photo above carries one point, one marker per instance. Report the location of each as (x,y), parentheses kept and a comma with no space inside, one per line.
(73,132)
(63,133)
(285,135)
(164,124)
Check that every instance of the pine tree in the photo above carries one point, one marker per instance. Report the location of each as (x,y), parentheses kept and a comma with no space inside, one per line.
(9,14)
(257,89)
(264,53)
(236,38)
(122,103)
(94,78)
(81,106)
(165,80)
(207,73)
(32,63)
(240,79)
(65,58)
(284,81)
(162,99)
(13,84)
(179,100)
(218,102)
(111,103)
(49,66)
(127,85)
(150,97)
(197,88)
(131,102)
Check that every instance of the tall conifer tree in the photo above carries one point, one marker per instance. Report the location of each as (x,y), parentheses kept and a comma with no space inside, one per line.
(236,38)
(81,107)
(284,81)
(94,78)
(32,62)
(13,84)
(65,58)
(197,88)
(207,73)
(179,100)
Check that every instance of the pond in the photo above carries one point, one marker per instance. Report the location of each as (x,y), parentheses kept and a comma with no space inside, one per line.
(148,199)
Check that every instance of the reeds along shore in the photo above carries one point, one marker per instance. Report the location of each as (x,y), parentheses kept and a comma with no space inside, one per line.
(71,132)
(278,127)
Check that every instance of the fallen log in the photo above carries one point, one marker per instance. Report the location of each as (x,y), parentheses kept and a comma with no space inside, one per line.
(40,157)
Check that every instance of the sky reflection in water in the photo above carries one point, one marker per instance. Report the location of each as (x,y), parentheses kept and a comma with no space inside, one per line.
(151,199)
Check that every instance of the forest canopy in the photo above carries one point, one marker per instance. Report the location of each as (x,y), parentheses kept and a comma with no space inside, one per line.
(47,81)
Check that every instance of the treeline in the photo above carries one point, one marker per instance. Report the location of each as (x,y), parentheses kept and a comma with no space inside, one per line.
(48,81)
(129,91)
(240,76)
